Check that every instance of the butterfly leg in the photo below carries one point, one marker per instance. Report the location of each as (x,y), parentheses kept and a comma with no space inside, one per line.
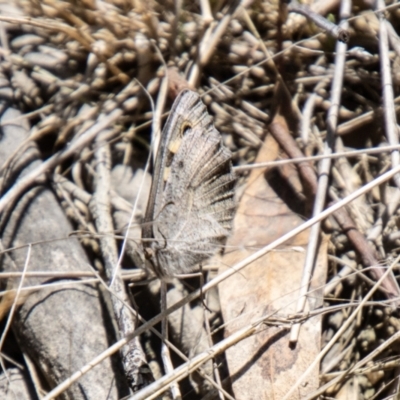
(165,355)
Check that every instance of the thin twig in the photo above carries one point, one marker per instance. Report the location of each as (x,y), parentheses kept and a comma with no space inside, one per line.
(339,32)
(312,245)
(133,357)
(323,181)
(136,275)
(298,160)
(165,354)
(156,124)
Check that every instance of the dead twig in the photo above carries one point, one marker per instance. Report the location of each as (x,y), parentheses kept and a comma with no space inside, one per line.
(336,31)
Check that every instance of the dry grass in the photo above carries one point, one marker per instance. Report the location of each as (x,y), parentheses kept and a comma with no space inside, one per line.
(82,73)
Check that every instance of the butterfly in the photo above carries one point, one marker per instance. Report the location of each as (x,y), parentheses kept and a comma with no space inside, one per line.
(191,205)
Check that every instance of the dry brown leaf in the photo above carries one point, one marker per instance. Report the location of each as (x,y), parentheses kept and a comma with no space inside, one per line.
(264,366)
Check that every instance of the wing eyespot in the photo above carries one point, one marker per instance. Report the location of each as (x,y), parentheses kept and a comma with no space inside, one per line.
(185,128)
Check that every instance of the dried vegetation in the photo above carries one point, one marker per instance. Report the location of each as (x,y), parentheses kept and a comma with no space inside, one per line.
(75,82)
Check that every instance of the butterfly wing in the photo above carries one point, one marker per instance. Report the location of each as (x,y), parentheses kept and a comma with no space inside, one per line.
(193,209)
(187,110)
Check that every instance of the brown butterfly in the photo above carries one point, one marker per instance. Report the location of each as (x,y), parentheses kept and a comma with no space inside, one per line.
(191,207)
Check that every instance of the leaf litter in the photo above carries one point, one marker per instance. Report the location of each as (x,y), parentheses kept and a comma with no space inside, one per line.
(279,87)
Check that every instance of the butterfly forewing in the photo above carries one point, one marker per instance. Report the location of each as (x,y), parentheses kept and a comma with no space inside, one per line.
(187,111)
(191,201)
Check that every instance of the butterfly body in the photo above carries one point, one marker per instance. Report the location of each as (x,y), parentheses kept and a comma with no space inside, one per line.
(191,203)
